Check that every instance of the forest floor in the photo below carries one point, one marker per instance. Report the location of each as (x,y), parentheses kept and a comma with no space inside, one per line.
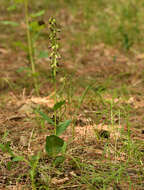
(106,150)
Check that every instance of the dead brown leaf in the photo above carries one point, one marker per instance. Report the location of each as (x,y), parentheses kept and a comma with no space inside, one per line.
(56,181)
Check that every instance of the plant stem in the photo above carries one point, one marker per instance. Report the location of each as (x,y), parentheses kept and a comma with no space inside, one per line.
(30,47)
(55,98)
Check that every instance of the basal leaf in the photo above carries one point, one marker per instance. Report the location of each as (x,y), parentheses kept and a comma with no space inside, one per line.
(54,145)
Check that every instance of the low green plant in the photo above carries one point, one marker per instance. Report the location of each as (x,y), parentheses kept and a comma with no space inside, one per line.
(31,161)
(30,46)
(55,144)
(33,31)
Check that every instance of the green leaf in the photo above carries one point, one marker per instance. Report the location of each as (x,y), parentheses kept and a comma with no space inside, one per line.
(62,127)
(36,74)
(22,69)
(5,135)
(20,45)
(35,27)
(59,160)
(43,54)
(45,117)
(40,13)
(6,148)
(18,158)
(11,8)
(9,23)
(64,148)
(2,147)
(99,88)
(54,145)
(58,105)
(34,160)
(9,165)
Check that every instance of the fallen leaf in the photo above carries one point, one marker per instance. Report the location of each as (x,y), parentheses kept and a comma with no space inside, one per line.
(73,174)
(26,108)
(140,56)
(47,101)
(59,181)
(3,51)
